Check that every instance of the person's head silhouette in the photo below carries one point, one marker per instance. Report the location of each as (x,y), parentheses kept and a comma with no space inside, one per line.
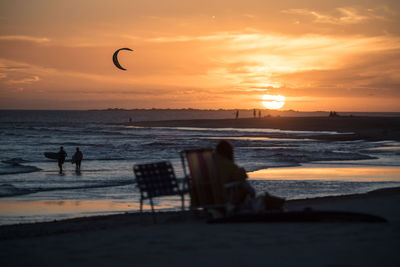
(225,149)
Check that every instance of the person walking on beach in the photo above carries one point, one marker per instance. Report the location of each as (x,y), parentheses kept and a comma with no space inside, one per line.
(230,172)
(61,158)
(77,159)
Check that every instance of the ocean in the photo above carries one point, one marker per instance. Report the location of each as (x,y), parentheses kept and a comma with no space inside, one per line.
(281,162)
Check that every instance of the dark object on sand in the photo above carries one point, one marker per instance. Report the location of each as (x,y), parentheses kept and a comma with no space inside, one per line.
(300,216)
(155,180)
(52,155)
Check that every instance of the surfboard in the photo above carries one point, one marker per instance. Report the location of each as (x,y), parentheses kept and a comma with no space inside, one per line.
(52,155)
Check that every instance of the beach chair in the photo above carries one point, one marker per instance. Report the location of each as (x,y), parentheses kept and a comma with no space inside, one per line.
(156,180)
(206,188)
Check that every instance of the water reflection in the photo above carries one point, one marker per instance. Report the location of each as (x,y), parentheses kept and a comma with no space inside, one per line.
(334,173)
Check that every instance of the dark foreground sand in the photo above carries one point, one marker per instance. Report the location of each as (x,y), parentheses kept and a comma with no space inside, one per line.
(367,128)
(184,239)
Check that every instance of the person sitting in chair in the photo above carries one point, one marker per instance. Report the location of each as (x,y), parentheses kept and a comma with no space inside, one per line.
(230,172)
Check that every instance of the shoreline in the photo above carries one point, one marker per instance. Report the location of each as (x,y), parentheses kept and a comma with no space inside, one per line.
(349,128)
(23,230)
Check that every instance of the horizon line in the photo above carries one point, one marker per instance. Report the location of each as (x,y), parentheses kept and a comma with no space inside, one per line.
(199,109)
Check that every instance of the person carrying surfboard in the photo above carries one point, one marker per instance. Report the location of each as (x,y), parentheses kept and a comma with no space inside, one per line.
(77,159)
(61,158)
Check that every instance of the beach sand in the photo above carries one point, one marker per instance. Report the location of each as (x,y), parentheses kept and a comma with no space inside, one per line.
(186,239)
(351,128)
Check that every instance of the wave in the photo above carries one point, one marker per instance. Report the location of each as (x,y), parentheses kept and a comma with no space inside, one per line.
(9,190)
(13,166)
(287,157)
(14,161)
(110,159)
(85,170)
(252,130)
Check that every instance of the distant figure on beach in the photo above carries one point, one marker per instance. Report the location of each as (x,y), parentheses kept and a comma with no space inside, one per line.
(259,114)
(130,119)
(333,114)
(255,113)
(230,172)
(77,159)
(237,114)
(61,158)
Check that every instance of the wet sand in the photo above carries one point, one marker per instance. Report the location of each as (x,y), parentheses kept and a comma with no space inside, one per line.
(352,128)
(182,239)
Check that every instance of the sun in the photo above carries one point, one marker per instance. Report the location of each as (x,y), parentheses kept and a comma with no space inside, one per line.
(273,101)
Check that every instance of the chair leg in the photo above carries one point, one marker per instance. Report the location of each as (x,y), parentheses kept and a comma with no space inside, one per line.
(183,202)
(152,206)
(152,210)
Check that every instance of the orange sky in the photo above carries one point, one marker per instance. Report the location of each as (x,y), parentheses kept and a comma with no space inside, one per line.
(321,55)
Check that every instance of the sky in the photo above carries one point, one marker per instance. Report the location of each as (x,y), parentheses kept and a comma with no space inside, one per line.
(320,55)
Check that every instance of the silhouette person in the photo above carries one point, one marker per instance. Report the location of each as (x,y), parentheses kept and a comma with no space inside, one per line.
(237,114)
(61,158)
(77,158)
(230,172)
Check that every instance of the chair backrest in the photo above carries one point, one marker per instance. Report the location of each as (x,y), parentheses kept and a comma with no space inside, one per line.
(206,187)
(156,179)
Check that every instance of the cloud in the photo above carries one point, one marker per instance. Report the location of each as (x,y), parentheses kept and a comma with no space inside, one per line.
(252,62)
(187,38)
(12,67)
(24,38)
(27,80)
(343,16)
(375,75)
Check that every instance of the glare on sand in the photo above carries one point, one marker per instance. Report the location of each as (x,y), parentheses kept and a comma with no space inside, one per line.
(273,101)
(72,208)
(65,206)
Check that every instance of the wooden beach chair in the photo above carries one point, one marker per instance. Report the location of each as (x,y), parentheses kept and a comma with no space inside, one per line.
(156,180)
(206,188)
